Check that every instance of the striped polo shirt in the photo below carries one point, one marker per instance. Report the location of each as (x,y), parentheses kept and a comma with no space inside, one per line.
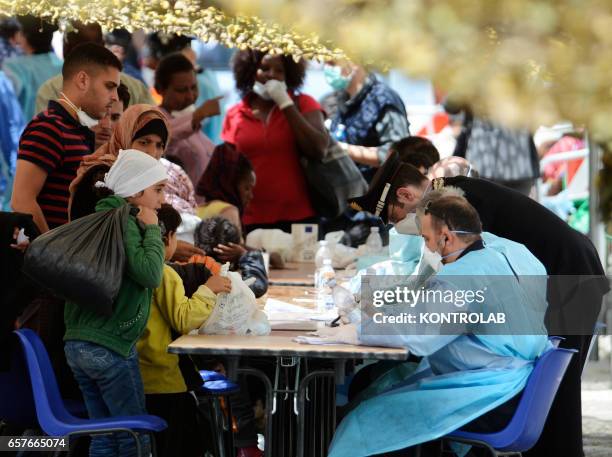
(56,142)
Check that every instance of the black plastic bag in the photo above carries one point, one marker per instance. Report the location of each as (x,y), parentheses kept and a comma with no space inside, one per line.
(332,181)
(82,261)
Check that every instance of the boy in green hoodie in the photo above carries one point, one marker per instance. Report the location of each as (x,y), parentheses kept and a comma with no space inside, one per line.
(101,351)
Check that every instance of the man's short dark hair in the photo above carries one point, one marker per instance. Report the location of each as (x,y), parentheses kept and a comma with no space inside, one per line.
(214,231)
(406,175)
(170,218)
(168,66)
(416,151)
(88,55)
(124,95)
(37,33)
(453,211)
(245,64)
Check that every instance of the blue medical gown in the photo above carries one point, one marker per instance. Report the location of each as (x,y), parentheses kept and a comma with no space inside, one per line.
(404,255)
(461,376)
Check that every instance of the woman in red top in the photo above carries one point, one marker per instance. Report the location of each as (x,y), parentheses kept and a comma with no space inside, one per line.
(274,126)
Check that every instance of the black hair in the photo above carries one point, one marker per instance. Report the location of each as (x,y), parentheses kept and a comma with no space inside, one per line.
(243,169)
(120,37)
(416,151)
(216,230)
(454,211)
(82,33)
(176,161)
(404,176)
(86,55)
(161,45)
(168,66)
(169,218)
(245,65)
(37,33)
(9,27)
(124,95)
(86,194)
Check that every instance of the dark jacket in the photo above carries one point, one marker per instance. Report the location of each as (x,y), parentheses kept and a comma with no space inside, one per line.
(578,280)
(251,265)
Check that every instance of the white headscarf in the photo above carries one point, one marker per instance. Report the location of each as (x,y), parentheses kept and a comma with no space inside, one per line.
(132,172)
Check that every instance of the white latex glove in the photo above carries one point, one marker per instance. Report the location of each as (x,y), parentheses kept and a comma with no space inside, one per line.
(346,304)
(277,90)
(345,334)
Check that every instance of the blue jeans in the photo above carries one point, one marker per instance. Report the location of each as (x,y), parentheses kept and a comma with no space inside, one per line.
(111,386)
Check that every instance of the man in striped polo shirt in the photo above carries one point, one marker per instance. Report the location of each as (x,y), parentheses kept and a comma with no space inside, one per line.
(55,141)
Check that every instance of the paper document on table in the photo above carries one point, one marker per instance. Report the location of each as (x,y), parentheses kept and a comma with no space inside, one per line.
(285,316)
(315,340)
(278,306)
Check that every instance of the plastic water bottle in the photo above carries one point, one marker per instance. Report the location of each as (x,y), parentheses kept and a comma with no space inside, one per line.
(374,241)
(326,280)
(324,252)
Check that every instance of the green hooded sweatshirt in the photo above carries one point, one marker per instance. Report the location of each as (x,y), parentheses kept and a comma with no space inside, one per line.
(144,252)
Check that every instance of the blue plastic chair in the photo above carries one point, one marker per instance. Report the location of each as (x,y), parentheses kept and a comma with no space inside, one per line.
(53,417)
(215,386)
(524,430)
(16,398)
(209,375)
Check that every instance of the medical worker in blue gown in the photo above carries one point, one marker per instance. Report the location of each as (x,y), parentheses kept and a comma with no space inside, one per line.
(466,373)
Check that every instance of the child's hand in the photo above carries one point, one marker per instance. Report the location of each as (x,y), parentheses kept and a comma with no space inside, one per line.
(147,216)
(219,284)
(185,250)
(230,252)
(22,241)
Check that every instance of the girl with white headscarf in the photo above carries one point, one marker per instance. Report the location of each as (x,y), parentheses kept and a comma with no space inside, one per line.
(100,350)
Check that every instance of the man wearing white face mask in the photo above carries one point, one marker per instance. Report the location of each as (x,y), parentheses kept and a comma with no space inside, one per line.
(577,282)
(54,142)
(470,377)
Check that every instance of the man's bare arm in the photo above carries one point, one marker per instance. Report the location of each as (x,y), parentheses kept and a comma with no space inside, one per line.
(29,181)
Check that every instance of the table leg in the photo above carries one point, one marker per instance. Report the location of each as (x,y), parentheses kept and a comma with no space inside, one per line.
(302,405)
(270,405)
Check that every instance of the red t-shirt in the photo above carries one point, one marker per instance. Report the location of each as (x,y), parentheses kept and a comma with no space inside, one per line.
(280,192)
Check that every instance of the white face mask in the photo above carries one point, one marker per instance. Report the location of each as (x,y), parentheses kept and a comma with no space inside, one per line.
(187,110)
(85,119)
(432,258)
(435,259)
(260,90)
(408,225)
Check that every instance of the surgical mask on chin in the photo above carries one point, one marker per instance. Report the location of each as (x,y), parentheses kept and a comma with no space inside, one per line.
(432,258)
(408,225)
(85,119)
(435,259)
(333,77)
(187,110)
(260,90)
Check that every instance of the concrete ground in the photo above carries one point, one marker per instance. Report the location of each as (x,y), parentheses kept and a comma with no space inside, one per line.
(597,409)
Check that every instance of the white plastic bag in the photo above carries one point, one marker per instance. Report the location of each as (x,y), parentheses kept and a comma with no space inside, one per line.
(272,240)
(236,313)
